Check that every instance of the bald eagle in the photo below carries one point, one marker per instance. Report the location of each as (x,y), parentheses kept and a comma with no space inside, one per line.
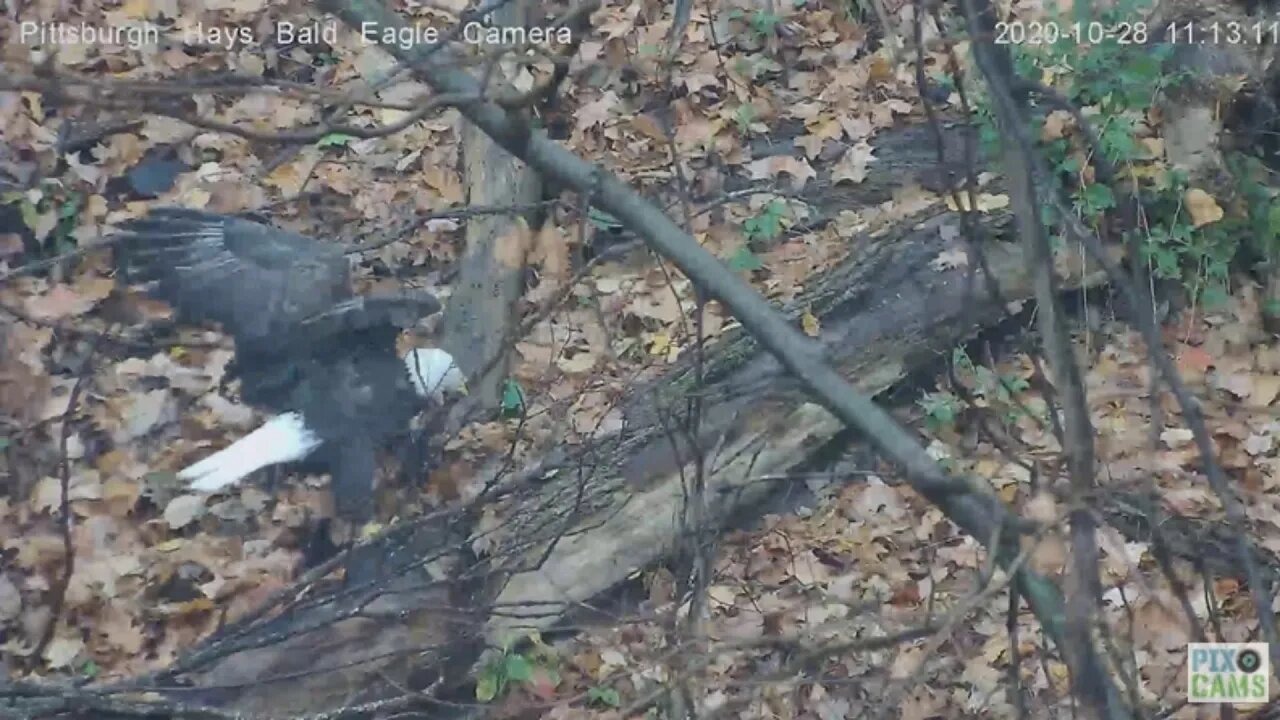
(306,347)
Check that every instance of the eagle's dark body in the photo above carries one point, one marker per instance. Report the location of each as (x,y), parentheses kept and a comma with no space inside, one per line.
(304,343)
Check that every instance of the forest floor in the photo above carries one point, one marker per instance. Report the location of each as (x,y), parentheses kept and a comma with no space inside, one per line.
(155,568)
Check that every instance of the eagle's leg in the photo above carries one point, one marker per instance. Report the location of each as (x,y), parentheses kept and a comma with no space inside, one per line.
(415,459)
(272,479)
(229,373)
(318,545)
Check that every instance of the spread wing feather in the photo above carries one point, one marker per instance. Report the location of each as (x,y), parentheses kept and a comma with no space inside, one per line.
(260,282)
(366,313)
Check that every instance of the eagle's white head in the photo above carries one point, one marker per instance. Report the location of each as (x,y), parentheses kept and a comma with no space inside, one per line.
(434,373)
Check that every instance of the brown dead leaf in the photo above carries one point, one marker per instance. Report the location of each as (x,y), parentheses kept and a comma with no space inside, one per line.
(446,182)
(881,69)
(22,390)
(62,301)
(1176,437)
(852,166)
(907,595)
(1042,508)
(907,663)
(63,650)
(769,168)
(877,500)
(596,112)
(1265,389)
(578,363)
(1056,125)
(646,125)
(660,305)
(1193,361)
(722,595)
(37,550)
(1049,555)
(119,630)
(986,202)
(1202,207)
(183,510)
(292,176)
(47,494)
(511,249)
(144,412)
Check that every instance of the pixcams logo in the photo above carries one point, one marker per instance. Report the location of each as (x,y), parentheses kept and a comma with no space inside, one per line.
(1227,672)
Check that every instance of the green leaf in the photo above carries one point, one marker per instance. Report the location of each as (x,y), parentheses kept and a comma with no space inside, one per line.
(768,223)
(512,397)
(602,219)
(70,208)
(1273,220)
(30,215)
(764,22)
(604,696)
(518,668)
(744,259)
(1015,382)
(334,140)
(1214,297)
(940,407)
(1097,197)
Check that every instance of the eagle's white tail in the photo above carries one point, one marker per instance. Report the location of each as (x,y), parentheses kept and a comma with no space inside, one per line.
(283,438)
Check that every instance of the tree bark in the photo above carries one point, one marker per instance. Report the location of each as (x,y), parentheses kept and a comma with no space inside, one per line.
(481,311)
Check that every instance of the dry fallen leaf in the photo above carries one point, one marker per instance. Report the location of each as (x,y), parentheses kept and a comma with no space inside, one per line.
(1193,361)
(183,510)
(144,413)
(1176,437)
(809,322)
(907,662)
(949,259)
(1265,389)
(1056,125)
(660,344)
(1258,444)
(853,164)
(63,650)
(597,112)
(62,301)
(1202,207)
(769,168)
(986,202)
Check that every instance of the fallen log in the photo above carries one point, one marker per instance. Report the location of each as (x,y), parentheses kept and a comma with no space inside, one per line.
(888,309)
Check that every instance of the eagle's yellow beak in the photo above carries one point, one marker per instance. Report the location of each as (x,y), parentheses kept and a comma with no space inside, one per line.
(462,389)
